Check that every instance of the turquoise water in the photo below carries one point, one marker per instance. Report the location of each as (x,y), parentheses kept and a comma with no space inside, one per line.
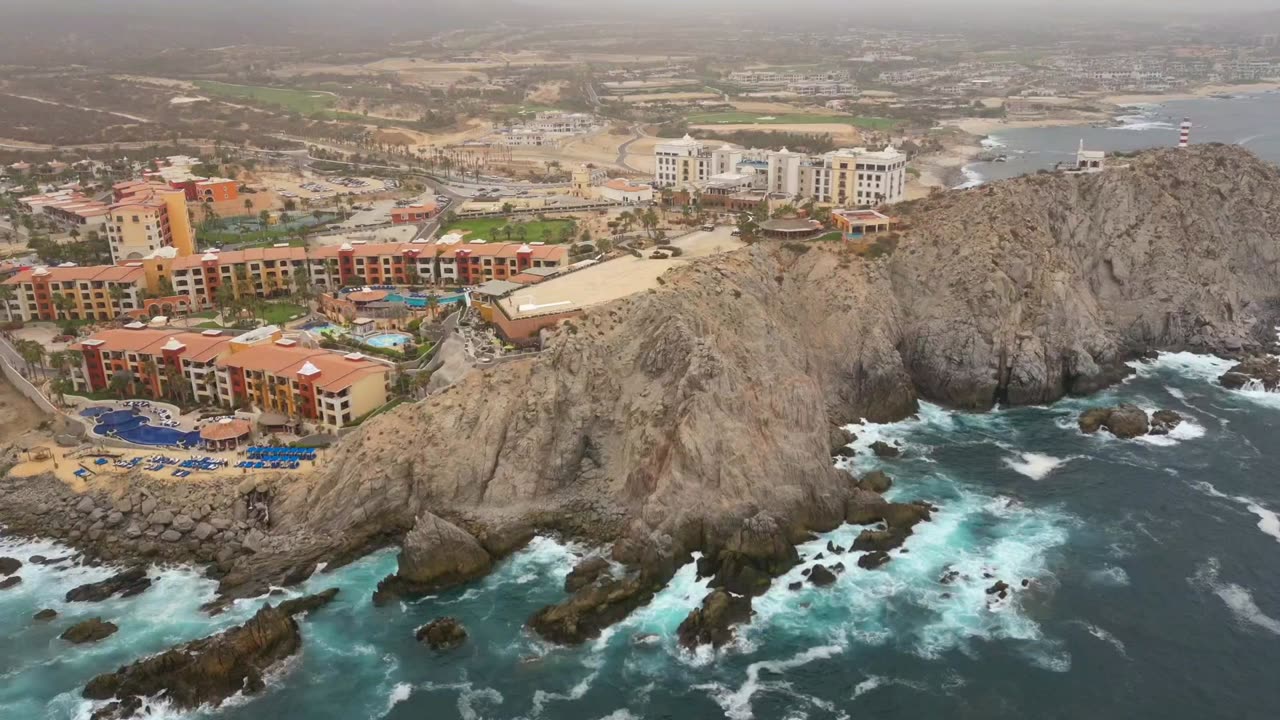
(421,302)
(393,341)
(138,429)
(1246,119)
(1153,592)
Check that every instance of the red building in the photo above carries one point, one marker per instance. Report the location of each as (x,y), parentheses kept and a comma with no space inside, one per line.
(417,213)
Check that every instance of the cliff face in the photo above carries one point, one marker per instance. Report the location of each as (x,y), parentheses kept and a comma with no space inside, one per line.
(690,407)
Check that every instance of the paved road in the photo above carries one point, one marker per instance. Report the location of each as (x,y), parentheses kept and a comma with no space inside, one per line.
(636,133)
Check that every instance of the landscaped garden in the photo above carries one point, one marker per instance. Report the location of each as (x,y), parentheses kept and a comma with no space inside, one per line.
(503,229)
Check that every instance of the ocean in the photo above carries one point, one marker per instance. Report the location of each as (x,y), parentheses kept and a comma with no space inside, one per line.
(1151,591)
(1243,119)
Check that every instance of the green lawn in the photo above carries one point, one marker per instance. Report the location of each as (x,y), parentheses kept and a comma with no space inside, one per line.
(745,118)
(278,313)
(306,102)
(548,231)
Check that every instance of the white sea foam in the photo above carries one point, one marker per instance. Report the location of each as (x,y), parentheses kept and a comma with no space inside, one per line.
(399,694)
(991,141)
(469,697)
(867,686)
(542,697)
(1188,429)
(1035,465)
(620,714)
(972,178)
(1268,520)
(1237,598)
(1106,637)
(1110,575)
(737,703)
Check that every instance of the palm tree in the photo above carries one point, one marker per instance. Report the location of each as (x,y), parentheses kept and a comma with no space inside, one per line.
(433,306)
(63,304)
(521,232)
(117,294)
(33,353)
(175,383)
(149,370)
(301,283)
(248,206)
(7,294)
(119,382)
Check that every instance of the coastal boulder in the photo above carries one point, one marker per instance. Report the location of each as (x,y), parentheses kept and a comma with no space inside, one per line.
(755,554)
(585,573)
(875,481)
(883,449)
(91,630)
(11,581)
(436,554)
(819,575)
(9,566)
(1263,370)
(443,633)
(45,615)
(1164,421)
(123,584)
(1124,421)
(209,670)
(873,559)
(712,623)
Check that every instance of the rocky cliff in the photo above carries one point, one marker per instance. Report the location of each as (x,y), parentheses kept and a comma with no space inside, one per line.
(685,409)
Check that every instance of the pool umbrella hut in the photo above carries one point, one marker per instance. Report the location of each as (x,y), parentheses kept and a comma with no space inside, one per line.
(226,434)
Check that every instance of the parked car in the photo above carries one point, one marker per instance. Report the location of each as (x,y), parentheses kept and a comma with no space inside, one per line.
(709,227)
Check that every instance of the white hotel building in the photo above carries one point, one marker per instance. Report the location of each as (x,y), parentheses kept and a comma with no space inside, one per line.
(849,176)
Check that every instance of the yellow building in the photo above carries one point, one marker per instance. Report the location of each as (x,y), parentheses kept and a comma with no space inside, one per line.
(101,292)
(148,219)
(330,388)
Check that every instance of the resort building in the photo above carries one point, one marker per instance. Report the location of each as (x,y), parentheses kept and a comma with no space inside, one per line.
(856,224)
(69,207)
(850,176)
(174,282)
(329,388)
(622,191)
(101,292)
(260,369)
(154,360)
(416,213)
(147,218)
(260,272)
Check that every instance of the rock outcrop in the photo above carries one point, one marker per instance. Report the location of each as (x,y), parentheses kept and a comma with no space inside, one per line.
(123,584)
(436,554)
(1259,370)
(585,572)
(10,582)
(713,623)
(443,633)
(9,566)
(87,631)
(1128,421)
(209,670)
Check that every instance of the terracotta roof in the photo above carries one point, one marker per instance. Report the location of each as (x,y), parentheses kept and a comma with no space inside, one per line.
(149,341)
(510,250)
(225,429)
(234,257)
(337,372)
(104,273)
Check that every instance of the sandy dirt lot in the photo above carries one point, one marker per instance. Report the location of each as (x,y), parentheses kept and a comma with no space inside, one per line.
(668,97)
(600,148)
(547,93)
(838,131)
(278,183)
(622,276)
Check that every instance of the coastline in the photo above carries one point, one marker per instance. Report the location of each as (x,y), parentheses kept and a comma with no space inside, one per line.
(1201,92)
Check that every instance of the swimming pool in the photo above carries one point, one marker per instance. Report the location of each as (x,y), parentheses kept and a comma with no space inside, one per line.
(392,341)
(325,329)
(138,429)
(415,301)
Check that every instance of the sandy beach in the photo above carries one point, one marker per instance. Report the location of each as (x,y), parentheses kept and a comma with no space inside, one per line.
(986,126)
(1200,92)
